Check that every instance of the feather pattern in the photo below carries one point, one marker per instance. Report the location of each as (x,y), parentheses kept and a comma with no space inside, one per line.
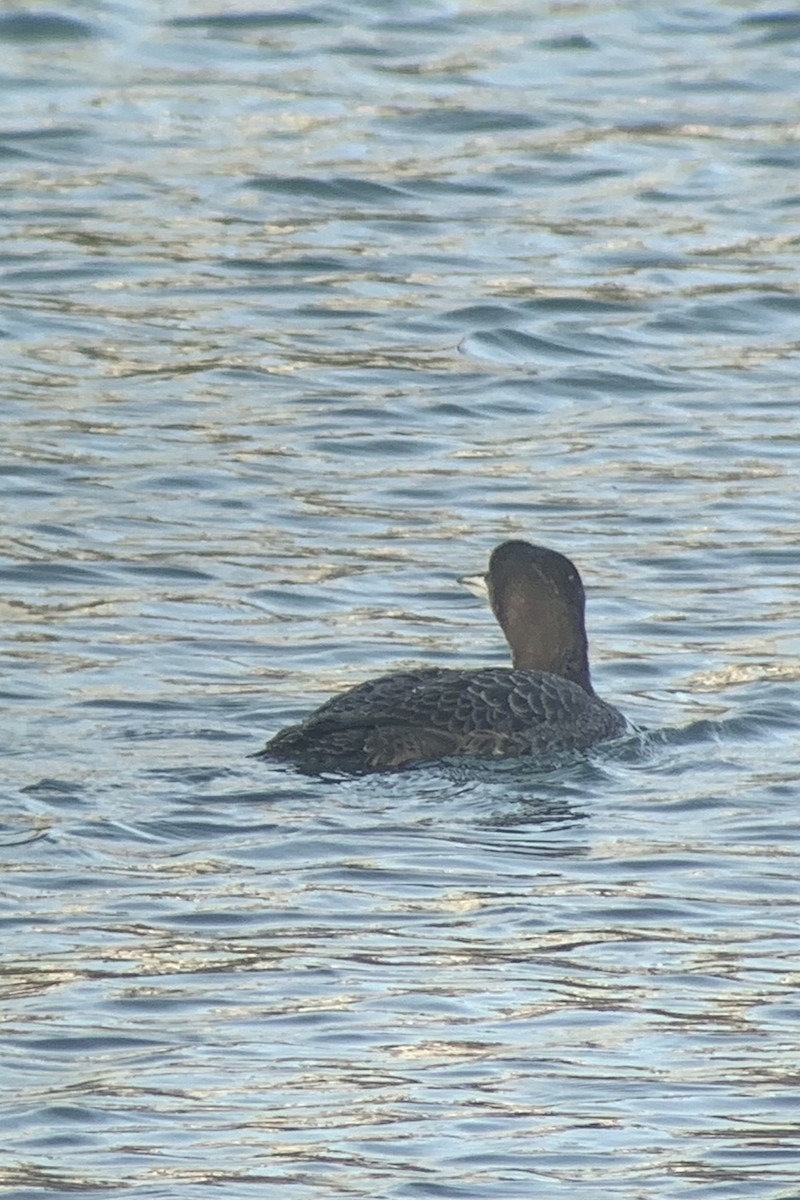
(417,715)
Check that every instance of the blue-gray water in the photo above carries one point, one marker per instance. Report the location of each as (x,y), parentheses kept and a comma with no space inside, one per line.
(304,309)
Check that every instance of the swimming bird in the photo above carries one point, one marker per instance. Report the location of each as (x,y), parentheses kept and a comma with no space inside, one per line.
(541,705)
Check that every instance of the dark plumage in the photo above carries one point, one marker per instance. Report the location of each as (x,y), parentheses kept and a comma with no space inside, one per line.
(541,705)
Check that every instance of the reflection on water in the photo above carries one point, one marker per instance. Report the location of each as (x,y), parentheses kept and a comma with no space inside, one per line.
(305,310)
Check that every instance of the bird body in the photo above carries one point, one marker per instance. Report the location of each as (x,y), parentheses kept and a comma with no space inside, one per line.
(543,704)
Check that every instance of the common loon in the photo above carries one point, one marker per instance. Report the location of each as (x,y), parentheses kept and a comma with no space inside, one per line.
(544,703)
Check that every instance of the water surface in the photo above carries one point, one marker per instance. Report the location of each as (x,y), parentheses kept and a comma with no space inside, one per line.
(305,309)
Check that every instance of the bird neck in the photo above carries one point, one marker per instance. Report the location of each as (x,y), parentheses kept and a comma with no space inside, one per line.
(570,660)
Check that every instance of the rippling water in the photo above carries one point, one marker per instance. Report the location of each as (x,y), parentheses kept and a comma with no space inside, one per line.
(304,310)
